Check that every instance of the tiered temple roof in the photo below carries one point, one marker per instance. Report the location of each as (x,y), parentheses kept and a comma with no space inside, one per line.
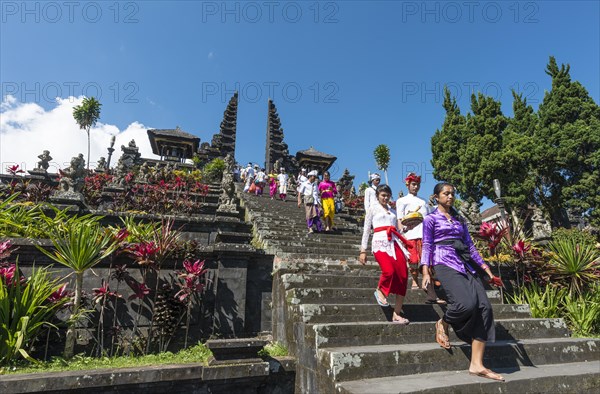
(222,143)
(277,150)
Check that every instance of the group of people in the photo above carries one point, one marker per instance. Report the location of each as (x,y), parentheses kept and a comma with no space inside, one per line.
(317,196)
(441,247)
(318,199)
(255,180)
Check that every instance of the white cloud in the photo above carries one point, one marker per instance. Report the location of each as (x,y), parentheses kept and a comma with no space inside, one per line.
(26,129)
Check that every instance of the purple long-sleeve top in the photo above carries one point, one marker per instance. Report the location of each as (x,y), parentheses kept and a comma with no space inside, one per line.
(436,228)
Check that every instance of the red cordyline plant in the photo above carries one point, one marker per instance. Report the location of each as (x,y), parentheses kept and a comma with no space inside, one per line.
(101,294)
(145,253)
(14,170)
(191,284)
(493,233)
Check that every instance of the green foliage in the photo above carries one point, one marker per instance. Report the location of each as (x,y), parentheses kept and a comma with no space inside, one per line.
(138,231)
(361,188)
(24,309)
(577,236)
(198,354)
(550,158)
(583,312)
(544,303)
(213,171)
(382,157)
(273,349)
(86,115)
(79,244)
(574,265)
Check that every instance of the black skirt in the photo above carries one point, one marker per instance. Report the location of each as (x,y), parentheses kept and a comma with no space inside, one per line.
(469,310)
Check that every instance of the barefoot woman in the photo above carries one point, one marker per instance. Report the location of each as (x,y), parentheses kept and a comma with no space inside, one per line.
(448,247)
(388,250)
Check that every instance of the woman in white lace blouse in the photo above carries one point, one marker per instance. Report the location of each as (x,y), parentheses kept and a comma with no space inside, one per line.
(389,251)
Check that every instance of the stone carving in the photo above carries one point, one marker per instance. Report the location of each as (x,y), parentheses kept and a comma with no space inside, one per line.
(345,183)
(101,165)
(470,210)
(45,158)
(540,226)
(227,197)
(129,158)
(71,184)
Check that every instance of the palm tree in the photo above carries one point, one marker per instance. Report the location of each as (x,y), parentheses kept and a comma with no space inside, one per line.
(81,245)
(382,158)
(86,115)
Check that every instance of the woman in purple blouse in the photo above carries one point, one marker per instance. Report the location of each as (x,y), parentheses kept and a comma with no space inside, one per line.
(449,249)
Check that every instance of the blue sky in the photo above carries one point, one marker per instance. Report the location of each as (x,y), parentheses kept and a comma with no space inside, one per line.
(346,76)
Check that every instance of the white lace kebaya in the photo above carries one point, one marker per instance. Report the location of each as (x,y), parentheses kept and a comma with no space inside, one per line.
(377,216)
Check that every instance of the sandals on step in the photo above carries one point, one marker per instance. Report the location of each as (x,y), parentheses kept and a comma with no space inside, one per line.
(379,301)
(486,373)
(440,335)
(401,320)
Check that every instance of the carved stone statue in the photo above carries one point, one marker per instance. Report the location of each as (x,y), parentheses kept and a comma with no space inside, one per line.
(45,158)
(470,210)
(278,164)
(129,158)
(101,165)
(540,226)
(227,197)
(73,178)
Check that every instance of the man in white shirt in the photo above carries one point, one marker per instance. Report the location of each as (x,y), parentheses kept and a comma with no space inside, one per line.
(308,195)
(405,205)
(248,177)
(370,196)
(282,181)
(260,180)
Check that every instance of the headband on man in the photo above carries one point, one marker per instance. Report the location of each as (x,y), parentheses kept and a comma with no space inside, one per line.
(412,177)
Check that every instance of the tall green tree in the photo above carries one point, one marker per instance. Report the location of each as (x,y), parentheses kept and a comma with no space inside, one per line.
(550,158)
(517,172)
(86,115)
(466,151)
(447,141)
(568,148)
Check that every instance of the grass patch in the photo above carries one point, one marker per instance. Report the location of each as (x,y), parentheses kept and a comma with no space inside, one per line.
(198,354)
(273,349)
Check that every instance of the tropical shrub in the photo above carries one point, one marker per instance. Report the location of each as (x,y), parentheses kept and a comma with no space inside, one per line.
(578,236)
(574,265)
(213,171)
(543,302)
(582,312)
(26,306)
(79,245)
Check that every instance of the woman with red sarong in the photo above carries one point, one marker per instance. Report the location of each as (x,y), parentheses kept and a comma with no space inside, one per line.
(389,251)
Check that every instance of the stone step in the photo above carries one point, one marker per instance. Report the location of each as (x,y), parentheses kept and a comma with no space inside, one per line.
(362,362)
(321,249)
(324,257)
(581,377)
(305,295)
(306,238)
(386,333)
(327,313)
(285,245)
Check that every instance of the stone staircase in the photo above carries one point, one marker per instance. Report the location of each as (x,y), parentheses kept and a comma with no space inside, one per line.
(325,313)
